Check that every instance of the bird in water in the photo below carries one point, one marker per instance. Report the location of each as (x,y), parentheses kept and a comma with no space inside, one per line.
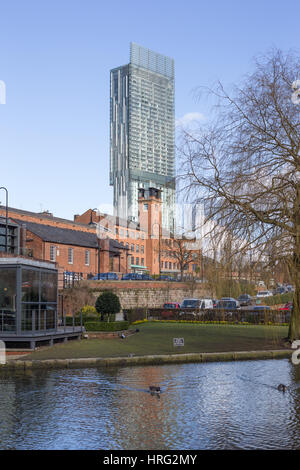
(282,387)
(154,389)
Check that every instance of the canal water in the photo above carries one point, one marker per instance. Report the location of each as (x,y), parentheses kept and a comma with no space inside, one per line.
(225,405)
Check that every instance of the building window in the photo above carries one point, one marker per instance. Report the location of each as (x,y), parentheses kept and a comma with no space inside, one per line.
(132,247)
(170,265)
(137,248)
(142,261)
(174,266)
(137,261)
(142,248)
(166,264)
(132,260)
(70,256)
(116,231)
(162,264)
(145,207)
(127,245)
(142,236)
(87,257)
(52,253)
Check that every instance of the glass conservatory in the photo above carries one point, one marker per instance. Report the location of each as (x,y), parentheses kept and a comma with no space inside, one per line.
(28,301)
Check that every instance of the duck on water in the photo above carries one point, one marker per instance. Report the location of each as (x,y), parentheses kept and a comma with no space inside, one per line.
(154,389)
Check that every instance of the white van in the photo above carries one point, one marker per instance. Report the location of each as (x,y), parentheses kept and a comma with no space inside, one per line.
(206,304)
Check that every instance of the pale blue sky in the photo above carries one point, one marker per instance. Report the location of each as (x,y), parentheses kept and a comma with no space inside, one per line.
(55,60)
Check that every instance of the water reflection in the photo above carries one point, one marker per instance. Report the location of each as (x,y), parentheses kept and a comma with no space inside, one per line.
(234,405)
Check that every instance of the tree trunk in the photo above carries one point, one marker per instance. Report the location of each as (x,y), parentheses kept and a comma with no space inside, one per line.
(294,327)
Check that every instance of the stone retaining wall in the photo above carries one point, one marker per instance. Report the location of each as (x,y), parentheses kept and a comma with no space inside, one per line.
(14,365)
(133,294)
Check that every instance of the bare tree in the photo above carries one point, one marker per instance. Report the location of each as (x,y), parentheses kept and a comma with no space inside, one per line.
(245,165)
(183,254)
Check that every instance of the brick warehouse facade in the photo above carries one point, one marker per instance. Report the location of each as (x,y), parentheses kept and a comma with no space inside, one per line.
(73,246)
(123,246)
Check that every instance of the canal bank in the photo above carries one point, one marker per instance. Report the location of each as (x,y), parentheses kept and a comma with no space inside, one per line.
(14,365)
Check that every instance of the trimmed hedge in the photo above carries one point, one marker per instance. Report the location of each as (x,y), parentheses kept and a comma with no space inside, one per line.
(279,299)
(106,326)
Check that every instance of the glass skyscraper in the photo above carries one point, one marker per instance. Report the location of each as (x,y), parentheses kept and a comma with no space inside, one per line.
(142,132)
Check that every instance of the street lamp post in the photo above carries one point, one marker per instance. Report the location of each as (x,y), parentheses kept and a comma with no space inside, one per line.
(6,227)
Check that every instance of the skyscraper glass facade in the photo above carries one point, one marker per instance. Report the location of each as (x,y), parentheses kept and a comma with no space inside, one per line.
(142,152)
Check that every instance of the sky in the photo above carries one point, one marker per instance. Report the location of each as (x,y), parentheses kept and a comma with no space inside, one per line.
(55,58)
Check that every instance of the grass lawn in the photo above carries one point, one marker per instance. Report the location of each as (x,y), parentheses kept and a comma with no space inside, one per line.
(157,338)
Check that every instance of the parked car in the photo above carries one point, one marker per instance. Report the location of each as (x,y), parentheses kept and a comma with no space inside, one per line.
(264,293)
(197,304)
(131,277)
(147,277)
(245,299)
(287,307)
(280,290)
(170,309)
(231,304)
(166,278)
(191,303)
(261,308)
(106,277)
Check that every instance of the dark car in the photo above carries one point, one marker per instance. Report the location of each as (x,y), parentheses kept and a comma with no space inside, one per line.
(166,278)
(136,277)
(191,303)
(231,304)
(245,299)
(106,277)
(147,277)
(169,309)
(131,277)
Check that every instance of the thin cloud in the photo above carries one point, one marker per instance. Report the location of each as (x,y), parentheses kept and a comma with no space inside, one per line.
(189,119)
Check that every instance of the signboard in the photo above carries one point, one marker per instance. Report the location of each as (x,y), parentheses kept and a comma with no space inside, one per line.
(178,342)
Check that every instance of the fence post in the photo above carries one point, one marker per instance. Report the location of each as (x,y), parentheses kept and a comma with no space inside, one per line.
(81,319)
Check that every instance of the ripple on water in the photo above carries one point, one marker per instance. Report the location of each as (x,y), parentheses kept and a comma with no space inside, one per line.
(234,405)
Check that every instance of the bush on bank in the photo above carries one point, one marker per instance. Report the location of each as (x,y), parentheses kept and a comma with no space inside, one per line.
(106,326)
(279,299)
(107,303)
(208,322)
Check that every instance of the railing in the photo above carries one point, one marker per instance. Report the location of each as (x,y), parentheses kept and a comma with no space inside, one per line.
(69,279)
(217,315)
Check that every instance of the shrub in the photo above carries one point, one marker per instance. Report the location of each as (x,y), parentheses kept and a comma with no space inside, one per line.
(135,314)
(107,304)
(279,299)
(106,326)
(89,310)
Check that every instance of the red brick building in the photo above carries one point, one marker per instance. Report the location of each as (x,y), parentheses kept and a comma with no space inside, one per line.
(94,242)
